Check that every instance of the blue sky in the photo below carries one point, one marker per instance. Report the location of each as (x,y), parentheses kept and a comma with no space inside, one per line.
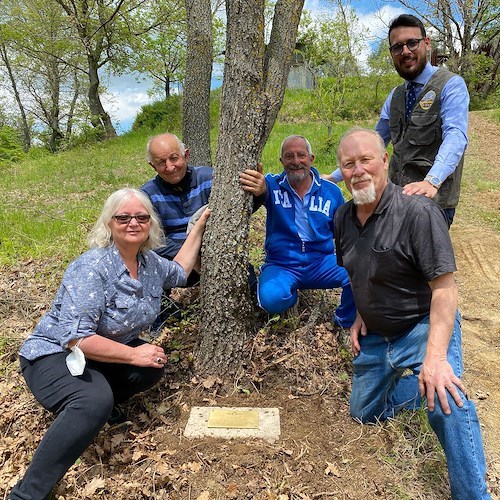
(126,95)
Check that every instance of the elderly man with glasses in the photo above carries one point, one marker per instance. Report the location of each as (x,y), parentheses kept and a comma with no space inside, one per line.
(299,245)
(426,119)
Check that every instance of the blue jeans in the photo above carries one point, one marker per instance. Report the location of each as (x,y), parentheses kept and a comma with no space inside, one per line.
(450,215)
(278,285)
(379,392)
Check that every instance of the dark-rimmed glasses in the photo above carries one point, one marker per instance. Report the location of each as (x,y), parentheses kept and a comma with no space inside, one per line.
(412,44)
(126,218)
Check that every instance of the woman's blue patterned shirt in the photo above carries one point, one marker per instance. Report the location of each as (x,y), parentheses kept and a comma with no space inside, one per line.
(98,296)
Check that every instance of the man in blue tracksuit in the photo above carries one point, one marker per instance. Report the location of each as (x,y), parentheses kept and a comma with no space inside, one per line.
(300,253)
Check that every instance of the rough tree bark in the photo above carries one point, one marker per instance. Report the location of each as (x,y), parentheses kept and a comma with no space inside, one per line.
(255,77)
(196,103)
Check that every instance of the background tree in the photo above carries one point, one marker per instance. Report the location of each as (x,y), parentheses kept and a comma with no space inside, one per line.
(5,59)
(100,27)
(330,46)
(160,53)
(199,60)
(44,63)
(255,77)
(380,65)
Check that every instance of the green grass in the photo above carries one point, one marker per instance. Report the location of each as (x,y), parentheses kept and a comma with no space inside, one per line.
(493,114)
(49,202)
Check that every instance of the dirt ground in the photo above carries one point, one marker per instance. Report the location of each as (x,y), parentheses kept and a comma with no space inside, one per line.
(299,365)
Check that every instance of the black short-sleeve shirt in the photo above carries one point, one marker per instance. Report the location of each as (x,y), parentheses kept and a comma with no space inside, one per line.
(390,260)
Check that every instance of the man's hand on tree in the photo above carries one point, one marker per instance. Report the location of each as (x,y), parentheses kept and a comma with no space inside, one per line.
(253,181)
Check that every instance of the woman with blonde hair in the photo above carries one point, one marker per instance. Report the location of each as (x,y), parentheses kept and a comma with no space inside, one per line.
(85,355)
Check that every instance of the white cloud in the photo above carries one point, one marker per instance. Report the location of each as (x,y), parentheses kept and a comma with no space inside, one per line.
(376,23)
(124,97)
(122,104)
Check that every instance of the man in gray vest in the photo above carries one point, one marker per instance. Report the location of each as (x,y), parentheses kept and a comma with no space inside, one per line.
(426,119)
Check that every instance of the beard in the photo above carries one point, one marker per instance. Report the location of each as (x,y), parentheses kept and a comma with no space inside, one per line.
(413,73)
(364,196)
(295,176)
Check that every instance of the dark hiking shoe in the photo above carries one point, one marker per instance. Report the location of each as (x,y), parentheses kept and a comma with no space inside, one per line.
(118,419)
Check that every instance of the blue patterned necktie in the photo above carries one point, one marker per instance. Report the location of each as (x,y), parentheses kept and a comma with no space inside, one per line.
(411,97)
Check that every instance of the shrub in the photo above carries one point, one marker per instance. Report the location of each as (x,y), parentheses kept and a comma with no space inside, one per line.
(11,149)
(165,115)
(86,135)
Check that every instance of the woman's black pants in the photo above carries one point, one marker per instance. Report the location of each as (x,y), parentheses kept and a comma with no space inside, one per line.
(82,406)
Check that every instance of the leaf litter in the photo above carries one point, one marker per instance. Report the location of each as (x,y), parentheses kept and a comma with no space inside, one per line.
(299,363)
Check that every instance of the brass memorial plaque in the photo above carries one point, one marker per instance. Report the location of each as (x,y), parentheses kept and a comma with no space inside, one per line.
(233,419)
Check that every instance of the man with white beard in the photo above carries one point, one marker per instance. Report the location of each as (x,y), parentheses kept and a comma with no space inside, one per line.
(398,254)
(299,232)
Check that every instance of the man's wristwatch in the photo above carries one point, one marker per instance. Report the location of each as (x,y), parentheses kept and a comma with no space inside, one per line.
(433,180)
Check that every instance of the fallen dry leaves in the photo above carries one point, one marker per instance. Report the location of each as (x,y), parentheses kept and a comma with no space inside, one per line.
(298,364)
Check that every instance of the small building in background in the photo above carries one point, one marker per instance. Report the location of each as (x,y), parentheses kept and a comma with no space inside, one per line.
(300,76)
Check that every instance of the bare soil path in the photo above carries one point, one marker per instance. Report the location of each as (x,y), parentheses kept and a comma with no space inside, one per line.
(477,249)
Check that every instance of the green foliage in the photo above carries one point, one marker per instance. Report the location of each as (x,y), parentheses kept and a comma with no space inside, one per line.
(160,116)
(86,135)
(160,52)
(380,60)
(166,115)
(476,70)
(350,98)
(330,46)
(11,149)
(492,102)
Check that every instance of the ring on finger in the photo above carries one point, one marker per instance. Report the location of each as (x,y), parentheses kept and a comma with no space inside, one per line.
(158,360)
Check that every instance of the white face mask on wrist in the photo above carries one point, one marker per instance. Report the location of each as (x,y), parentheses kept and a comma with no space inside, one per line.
(75,360)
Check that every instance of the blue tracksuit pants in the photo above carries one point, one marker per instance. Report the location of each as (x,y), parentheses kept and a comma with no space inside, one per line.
(278,285)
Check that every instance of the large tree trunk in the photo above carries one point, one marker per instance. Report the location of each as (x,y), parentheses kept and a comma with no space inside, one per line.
(252,93)
(196,103)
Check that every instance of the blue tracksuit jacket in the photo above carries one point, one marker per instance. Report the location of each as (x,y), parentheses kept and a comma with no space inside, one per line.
(283,245)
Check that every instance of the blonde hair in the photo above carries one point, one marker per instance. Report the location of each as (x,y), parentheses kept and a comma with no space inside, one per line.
(100,235)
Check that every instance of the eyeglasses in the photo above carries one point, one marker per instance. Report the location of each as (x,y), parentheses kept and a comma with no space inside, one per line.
(412,44)
(125,218)
(291,156)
